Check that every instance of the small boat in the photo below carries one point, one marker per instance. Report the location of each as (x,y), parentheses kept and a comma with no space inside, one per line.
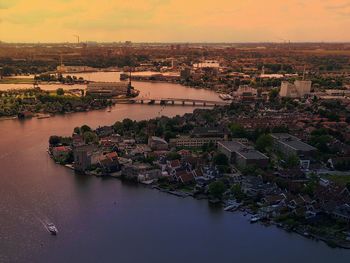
(233,207)
(43,116)
(254,219)
(52,228)
(109,110)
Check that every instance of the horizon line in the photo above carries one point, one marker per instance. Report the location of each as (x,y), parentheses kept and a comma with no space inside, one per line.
(180,42)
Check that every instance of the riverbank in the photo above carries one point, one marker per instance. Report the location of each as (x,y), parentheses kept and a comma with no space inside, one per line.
(124,151)
(226,205)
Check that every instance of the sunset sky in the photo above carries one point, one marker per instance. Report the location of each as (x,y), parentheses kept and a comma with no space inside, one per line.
(174,20)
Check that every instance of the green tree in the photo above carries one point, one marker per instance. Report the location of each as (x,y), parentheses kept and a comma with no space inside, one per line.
(220,159)
(264,142)
(77,130)
(60,91)
(118,127)
(90,137)
(238,131)
(292,161)
(216,189)
(173,156)
(127,124)
(84,129)
(54,140)
(273,95)
(237,192)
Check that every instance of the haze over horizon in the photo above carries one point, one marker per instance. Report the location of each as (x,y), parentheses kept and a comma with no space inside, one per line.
(175,21)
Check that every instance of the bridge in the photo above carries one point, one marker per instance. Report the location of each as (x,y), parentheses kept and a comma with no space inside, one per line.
(174,102)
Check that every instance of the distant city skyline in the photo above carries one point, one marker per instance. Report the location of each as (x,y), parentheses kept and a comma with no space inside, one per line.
(175,21)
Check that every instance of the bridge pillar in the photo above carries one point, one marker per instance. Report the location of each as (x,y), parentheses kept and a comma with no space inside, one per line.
(173,102)
(204,103)
(141,101)
(194,103)
(183,103)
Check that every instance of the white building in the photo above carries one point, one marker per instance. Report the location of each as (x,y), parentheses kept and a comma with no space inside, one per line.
(107,89)
(299,89)
(207,64)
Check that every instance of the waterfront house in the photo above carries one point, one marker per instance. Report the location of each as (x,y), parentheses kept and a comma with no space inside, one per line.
(60,152)
(109,165)
(150,175)
(183,176)
(254,186)
(270,200)
(342,212)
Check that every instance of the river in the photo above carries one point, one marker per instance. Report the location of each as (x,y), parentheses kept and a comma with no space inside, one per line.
(105,220)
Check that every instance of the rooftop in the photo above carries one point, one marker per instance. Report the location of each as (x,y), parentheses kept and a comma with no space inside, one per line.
(292,142)
(245,151)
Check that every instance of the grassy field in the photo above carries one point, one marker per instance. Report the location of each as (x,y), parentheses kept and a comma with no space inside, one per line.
(16,81)
(339,179)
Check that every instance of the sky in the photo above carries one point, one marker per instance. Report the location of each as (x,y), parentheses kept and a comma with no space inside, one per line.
(175,20)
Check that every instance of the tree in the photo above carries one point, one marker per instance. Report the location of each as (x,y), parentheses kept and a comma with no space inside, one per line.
(216,189)
(54,140)
(90,137)
(84,129)
(238,131)
(220,159)
(173,156)
(292,161)
(263,142)
(77,130)
(60,92)
(118,127)
(127,124)
(237,191)
(273,94)
(208,147)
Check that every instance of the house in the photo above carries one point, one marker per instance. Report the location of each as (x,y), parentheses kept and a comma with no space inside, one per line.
(132,171)
(184,153)
(342,212)
(60,152)
(273,199)
(104,131)
(109,165)
(150,175)
(173,165)
(183,176)
(254,186)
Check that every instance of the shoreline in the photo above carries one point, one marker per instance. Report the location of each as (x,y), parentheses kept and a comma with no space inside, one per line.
(242,210)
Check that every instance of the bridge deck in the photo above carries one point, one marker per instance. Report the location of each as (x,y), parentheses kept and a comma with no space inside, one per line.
(181,100)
